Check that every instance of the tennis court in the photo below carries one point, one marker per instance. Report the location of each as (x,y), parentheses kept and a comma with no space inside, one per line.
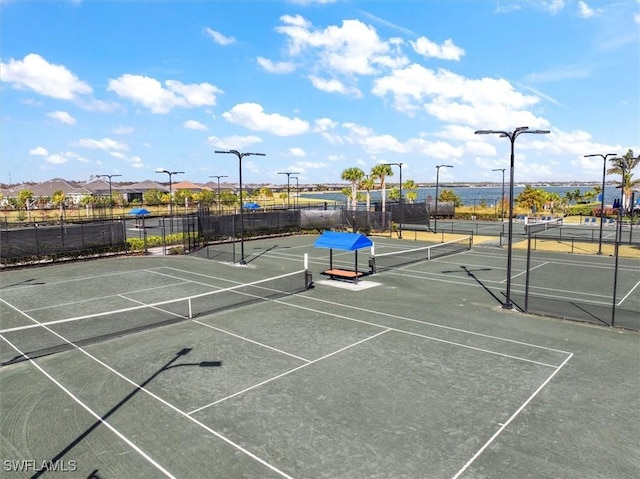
(414,372)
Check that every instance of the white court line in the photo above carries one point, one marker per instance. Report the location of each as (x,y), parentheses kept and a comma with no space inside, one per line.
(98,298)
(524,272)
(286,372)
(156,397)
(90,411)
(627,295)
(244,338)
(432,338)
(513,416)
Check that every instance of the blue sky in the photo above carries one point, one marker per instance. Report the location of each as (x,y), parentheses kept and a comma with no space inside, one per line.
(127,87)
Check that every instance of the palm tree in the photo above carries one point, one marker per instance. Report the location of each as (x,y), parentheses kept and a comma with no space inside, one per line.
(368,184)
(623,166)
(354,176)
(410,187)
(380,172)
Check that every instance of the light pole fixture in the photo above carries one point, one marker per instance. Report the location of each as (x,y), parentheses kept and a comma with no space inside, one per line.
(218,177)
(512,135)
(399,165)
(110,194)
(435,219)
(604,173)
(240,157)
(170,173)
(502,197)
(288,173)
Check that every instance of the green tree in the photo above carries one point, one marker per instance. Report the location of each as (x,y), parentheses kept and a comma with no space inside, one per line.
(153,197)
(410,188)
(58,199)
(531,198)
(626,163)
(447,196)
(183,196)
(354,176)
(380,172)
(23,201)
(205,197)
(367,184)
(394,194)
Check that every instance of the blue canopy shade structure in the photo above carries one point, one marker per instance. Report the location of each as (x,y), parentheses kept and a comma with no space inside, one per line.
(345,242)
(139,211)
(251,206)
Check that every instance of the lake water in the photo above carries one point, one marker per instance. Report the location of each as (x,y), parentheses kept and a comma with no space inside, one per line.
(471,195)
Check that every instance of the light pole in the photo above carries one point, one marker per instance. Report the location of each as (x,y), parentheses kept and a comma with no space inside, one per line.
(512,135)
(435,220)
(240,156)
(399,165)
(218,177)
(170,173)
(604,173)
(110,195)
(288,173)
(502,197)
(295,201)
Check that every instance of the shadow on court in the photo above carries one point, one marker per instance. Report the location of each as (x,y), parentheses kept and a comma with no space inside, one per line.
(169,365)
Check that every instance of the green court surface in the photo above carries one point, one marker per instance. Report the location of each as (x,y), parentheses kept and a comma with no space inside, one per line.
(414,372)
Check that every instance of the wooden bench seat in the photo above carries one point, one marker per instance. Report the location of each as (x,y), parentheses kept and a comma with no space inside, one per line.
(344,274)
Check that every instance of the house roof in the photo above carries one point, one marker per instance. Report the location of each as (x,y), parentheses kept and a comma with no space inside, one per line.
(147,185)
(48,188)
(342,241)
(188,185)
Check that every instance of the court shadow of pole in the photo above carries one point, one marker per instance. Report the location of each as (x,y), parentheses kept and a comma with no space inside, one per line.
(475,278)
(76,441)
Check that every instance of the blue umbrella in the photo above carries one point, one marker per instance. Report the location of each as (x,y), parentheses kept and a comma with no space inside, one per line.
(251,206)
(139,211)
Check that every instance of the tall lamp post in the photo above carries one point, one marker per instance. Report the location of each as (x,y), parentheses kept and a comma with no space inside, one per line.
(218,177)
(604,173)
(399,165)
(170,173)
(502,197)
(110,194)
(288,173)
(435,220)
(512,135)
(240,157)
(295,201)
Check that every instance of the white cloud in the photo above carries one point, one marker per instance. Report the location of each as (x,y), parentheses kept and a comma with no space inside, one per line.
(309,165)
(552,6)
(253,117)
(455,99)
(36,74)
(194,125)
(39,151)
(585,11)
(56,159)
(122,130)
(104,144)
(429,49)
(219,38)
(63,117)
(297,152)
(234,142)
(333,86)
(350,49)
(276,67)
(150,93)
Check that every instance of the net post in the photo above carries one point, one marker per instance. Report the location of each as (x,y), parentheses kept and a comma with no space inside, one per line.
(190,310)
(306,261)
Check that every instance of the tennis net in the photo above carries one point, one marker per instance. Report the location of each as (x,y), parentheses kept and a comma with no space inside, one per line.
(45,338)
(384,261)
(533,228)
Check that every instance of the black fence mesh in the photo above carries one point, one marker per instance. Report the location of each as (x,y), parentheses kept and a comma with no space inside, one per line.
(61,239)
